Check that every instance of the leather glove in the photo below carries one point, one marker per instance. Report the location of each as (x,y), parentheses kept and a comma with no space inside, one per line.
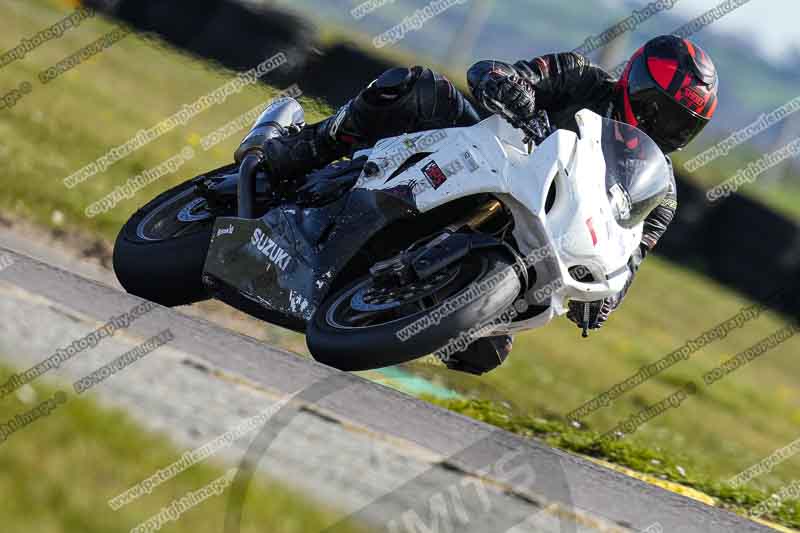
(515,93)
(593,315)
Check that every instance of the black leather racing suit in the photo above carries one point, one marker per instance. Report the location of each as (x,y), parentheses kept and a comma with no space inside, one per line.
(565,83)
(407,100)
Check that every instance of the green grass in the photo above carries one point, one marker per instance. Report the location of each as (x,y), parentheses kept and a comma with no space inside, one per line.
(647,460)
(60,471)
(73,120)
(716,434)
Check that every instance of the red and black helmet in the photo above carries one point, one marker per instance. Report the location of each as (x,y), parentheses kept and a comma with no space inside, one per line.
(668,90)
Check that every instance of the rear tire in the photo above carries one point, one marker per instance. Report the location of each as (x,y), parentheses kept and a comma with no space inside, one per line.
(167,269)
(377,346)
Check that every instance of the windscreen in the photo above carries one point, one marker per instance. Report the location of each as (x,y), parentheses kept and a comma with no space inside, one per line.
(637,173)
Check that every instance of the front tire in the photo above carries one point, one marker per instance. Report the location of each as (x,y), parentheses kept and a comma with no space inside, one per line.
(349,343)
(160,252)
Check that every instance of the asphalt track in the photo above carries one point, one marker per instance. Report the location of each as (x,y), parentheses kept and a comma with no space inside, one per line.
(390,460)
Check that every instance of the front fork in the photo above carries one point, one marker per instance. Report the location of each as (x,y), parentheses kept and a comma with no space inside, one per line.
(246,191)
(450,246)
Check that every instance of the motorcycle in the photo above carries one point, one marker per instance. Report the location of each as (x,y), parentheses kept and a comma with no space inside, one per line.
(418,244)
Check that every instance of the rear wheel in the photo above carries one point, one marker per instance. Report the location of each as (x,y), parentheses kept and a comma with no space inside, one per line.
(362,326)
(160,252)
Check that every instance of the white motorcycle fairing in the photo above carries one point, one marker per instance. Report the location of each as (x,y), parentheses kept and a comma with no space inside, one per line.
(579,229)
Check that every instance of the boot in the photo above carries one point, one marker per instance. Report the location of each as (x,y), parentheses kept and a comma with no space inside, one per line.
(482,356)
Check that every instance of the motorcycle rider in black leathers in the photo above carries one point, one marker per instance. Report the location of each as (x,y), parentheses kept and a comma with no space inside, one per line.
(668,90)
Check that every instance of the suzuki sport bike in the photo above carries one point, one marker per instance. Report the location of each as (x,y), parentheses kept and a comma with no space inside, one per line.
(398,251)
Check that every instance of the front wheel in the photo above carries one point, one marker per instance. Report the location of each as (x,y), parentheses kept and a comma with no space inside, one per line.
(364,326)
(160,252)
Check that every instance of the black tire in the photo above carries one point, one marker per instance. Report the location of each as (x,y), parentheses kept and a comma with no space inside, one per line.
(166,270)
(377,346)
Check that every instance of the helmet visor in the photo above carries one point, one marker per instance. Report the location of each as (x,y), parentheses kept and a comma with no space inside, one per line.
(662,117)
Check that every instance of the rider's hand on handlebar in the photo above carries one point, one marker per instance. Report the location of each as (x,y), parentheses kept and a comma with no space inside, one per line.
(515,94)
(591,315)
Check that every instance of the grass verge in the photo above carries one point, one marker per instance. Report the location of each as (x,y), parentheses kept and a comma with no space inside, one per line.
(61,470)
(646,460)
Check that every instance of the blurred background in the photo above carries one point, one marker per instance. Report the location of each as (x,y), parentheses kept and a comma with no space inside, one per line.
(717,259)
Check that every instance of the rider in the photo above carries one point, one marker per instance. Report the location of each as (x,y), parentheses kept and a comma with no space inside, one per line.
(668,90)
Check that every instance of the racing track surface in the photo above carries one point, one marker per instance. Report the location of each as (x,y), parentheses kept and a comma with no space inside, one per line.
(396,462)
